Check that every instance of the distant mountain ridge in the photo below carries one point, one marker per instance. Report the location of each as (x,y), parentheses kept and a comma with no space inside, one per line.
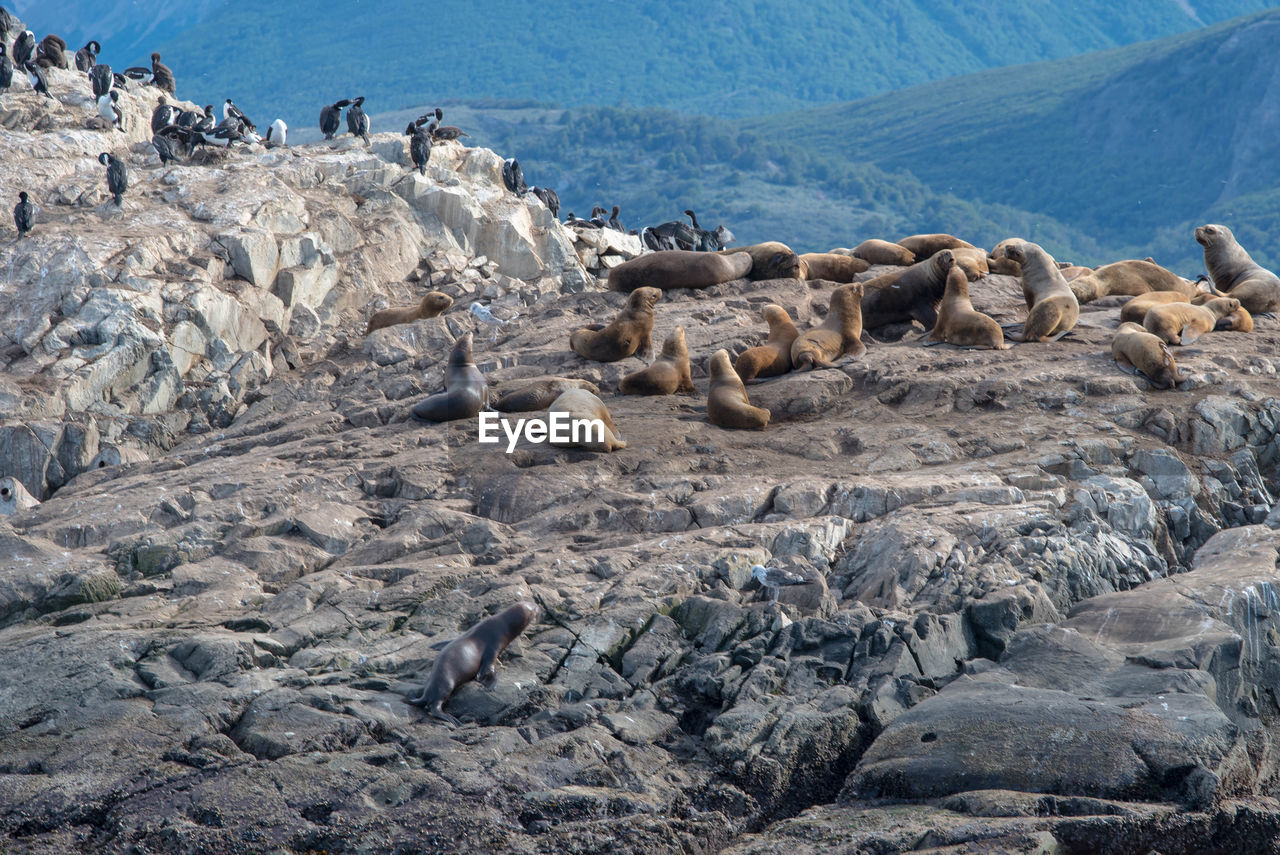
(128,30)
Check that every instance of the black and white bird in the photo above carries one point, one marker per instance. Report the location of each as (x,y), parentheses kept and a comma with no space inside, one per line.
(549,198)
(117,178)
(277,134)
(357,120)
(6,68)
(419,146)
(161,75)
(109,109)
(207,123)
(39,82)
(230,110)
(773,578)
(513,176)
(24,49)
(24,214)
(228,131)
(101,79)
(164,115)
(87,56)
(331,118)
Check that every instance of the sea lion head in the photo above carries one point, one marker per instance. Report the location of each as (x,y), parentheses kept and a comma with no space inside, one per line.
(720,366)
(1016,252)
(785,265)
(1210,233)
(435,301)
(675,346)
(775,315)
(521,616)
(461,353)
(945,259)
(644,298)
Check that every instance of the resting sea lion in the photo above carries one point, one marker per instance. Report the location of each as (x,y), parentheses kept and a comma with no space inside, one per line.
(539,395)
(769,260)
(839,334)
(466,391)
(473,656)
(831,266)
(926,245)
(1233,272)
(998,262)
(774,356)
(1238,321)
(580,404)
(628,334)
(1129,278)
(959,323)
(727,402)
(677,268)
(1054,310)
(910,293)
(668,374)
(1136,349)
(878,251)
(972,261)
(1071,271)
(432,305)
(1136,309)
(1183,323)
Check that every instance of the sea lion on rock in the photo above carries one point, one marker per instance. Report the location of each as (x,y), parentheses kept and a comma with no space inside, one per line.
(839,334)
(466,391)
(629,333)
(831,266)
(774,356)
(1136,309)
(769,260)
(1183,323)
(972,261)
(913,292)
(678,268)
(926,245)
(473,656)
(1234,272)
(727,402)
(1054,310)
(540,395)
(1128,278)
(430,306)
(959,323)
(1136,349)
(668,374)
(876,251)
(1238,321)
(580,404)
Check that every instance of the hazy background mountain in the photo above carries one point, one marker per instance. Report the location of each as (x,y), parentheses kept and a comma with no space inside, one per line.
(128,30)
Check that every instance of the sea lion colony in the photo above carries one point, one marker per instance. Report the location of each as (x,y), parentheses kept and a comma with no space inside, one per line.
(924,280)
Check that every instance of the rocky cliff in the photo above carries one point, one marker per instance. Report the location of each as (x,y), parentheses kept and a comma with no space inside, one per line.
(1041,614)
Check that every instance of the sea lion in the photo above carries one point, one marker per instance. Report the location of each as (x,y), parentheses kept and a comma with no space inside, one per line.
(876,251)
(1238,321)
(909,293)
(831,266)
(839,334)
(1234,272)
(769,260)
(430,306)
(629,333)
(580,404)
(926,245)
(1136,309)
(998,262)
(727,402)
(1183,323)
(668,374)
(1128,278)
(540,395)
(774,356)
(959,323)
(1071,271)
(466,391)
(1054,310)
(972,261)
(1138,350)
(678,268)
(473,656)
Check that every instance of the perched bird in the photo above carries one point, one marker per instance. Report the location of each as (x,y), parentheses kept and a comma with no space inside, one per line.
(39,82)
(419,146)
(357,121)
(230,110)
(228,131)
(549,198)
(277,133)
(482,314)
(773,578)
(109,109)
(24,214)
(52,52)
(101,79)
(331,118)
(117,178)
(176,140)
(142,75)
(614,223)
(161,75)
(87,56)
(205,124)
(513,176)
(6,68)
(24,49)
(167,147)
(163,115)
(448,132)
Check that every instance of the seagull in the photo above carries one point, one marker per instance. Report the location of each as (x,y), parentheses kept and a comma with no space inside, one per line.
(773,578)
(481,313)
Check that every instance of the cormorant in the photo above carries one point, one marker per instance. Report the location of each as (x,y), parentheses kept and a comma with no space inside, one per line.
(87,56)
(24,214)
(161,75)
(357,121)
(117,178)
(331,118)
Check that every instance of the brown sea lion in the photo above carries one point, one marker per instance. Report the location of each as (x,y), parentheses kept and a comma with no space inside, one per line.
(629,333)
(909,293)
(466,391)
(1071,271)
(1054,310)
(1135,349)
(668,374)
(839,334)
(998,262)
(831,267)
(1234,272)
(539,395)
(774,356)
(431,305)
(1183,323)
(677,268)
(1136,309)
(1128,278)
(1238,321)
(769,260)
(473,656)
(878,251)
(580,405)
(926,245)
(959,323)
(972,261)
(727,402)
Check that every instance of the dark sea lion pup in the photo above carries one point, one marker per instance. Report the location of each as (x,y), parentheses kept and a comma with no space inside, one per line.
(466,391)
(629,333)
(473,656)
(540,394)
(668,374)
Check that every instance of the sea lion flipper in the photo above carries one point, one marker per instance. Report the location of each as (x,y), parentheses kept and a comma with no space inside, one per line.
(446,718)
(1060,335)
(934,343)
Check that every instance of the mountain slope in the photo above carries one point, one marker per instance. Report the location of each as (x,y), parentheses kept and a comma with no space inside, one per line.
(128,30)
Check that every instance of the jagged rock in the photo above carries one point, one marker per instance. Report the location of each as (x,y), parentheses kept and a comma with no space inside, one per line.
(14,497)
